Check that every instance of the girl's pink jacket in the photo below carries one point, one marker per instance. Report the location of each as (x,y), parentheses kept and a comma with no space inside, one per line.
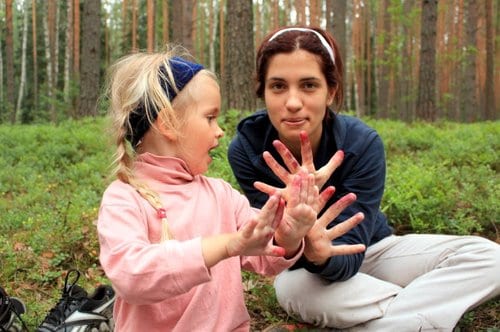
(166,286)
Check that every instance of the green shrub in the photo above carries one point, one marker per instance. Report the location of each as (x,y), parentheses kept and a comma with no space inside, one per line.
(441,178)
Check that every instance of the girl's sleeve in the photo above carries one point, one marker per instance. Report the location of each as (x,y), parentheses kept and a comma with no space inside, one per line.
(143,272)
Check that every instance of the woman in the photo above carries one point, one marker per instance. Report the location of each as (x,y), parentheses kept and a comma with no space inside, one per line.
(400,283)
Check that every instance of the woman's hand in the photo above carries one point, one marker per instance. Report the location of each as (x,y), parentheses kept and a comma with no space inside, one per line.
(319,239)
(254,238)
(320,176)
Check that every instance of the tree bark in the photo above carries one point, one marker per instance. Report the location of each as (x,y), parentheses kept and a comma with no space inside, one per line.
(490,65)
(383,42)
(469,82)
(134,26)
(35,56)
(165,23)
(151,25)
(9,61)
(22,82)
(90,73)
(237,85)
(335,24)
(426,105)
(68,55)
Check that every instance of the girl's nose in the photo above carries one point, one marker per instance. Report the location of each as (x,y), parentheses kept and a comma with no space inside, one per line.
(219,133)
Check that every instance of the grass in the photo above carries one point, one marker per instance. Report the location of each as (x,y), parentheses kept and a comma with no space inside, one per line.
(52,179)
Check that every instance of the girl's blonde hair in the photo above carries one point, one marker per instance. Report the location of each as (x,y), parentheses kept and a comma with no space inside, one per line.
(133,85)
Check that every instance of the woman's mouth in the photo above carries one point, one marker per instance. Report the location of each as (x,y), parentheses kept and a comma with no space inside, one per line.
(294,122)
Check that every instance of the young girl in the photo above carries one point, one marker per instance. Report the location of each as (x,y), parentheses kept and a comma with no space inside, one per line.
(173,241)
(416,282)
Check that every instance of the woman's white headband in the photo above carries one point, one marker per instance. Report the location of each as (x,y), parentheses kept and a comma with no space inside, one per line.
(320,37)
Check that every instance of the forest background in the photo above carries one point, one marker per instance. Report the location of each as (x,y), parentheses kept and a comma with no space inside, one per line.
(403,59)
(441,133)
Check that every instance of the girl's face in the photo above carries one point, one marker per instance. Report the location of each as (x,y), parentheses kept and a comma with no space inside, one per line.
(201,132)
(296,96)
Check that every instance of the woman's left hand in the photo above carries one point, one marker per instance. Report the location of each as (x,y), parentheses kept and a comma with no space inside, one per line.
(318,242)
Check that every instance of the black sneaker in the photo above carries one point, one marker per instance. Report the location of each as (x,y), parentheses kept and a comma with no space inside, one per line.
(76,311)
(11,309)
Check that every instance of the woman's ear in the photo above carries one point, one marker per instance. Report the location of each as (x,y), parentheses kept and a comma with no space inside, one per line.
(331,95)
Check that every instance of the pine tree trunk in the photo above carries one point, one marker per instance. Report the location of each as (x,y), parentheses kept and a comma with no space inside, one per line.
(237,86)
(426,106)
(469,99)
(335,24)
(151,25)
(212,26)
(384,33)
(22,81)
(91,50)
(35,56)
(187,22)
(490,65)
(165,23)
(9,61)
(68,56)
(1,79)
(135,47)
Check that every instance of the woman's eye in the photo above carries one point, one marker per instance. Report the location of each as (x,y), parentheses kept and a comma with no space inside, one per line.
(277,86)
(309,86)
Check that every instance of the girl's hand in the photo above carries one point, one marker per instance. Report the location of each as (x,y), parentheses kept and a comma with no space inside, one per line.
(320,176)
(254,238)
(319,248)
(300,212)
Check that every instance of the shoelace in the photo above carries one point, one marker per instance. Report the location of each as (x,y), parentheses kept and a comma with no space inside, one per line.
(8,310)
(57,314)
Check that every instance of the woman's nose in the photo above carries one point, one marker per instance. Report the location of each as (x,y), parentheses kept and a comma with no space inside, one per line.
(293,101)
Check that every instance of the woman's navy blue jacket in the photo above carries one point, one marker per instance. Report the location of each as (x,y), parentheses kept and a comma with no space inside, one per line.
(362,172)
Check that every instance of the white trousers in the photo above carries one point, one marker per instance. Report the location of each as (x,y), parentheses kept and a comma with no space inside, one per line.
(406,283)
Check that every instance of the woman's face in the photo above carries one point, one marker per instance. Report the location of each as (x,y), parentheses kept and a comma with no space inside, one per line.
(296,96)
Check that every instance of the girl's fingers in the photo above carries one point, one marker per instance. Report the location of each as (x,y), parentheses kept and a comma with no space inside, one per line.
(265,188)
(345,226)
(279,213)
(248,228)
(295,191)
(313,191)
(272,250)
(268,211)
(291,163)
(277,169)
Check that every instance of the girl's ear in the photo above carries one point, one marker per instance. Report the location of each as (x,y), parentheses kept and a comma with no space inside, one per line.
(168,133)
